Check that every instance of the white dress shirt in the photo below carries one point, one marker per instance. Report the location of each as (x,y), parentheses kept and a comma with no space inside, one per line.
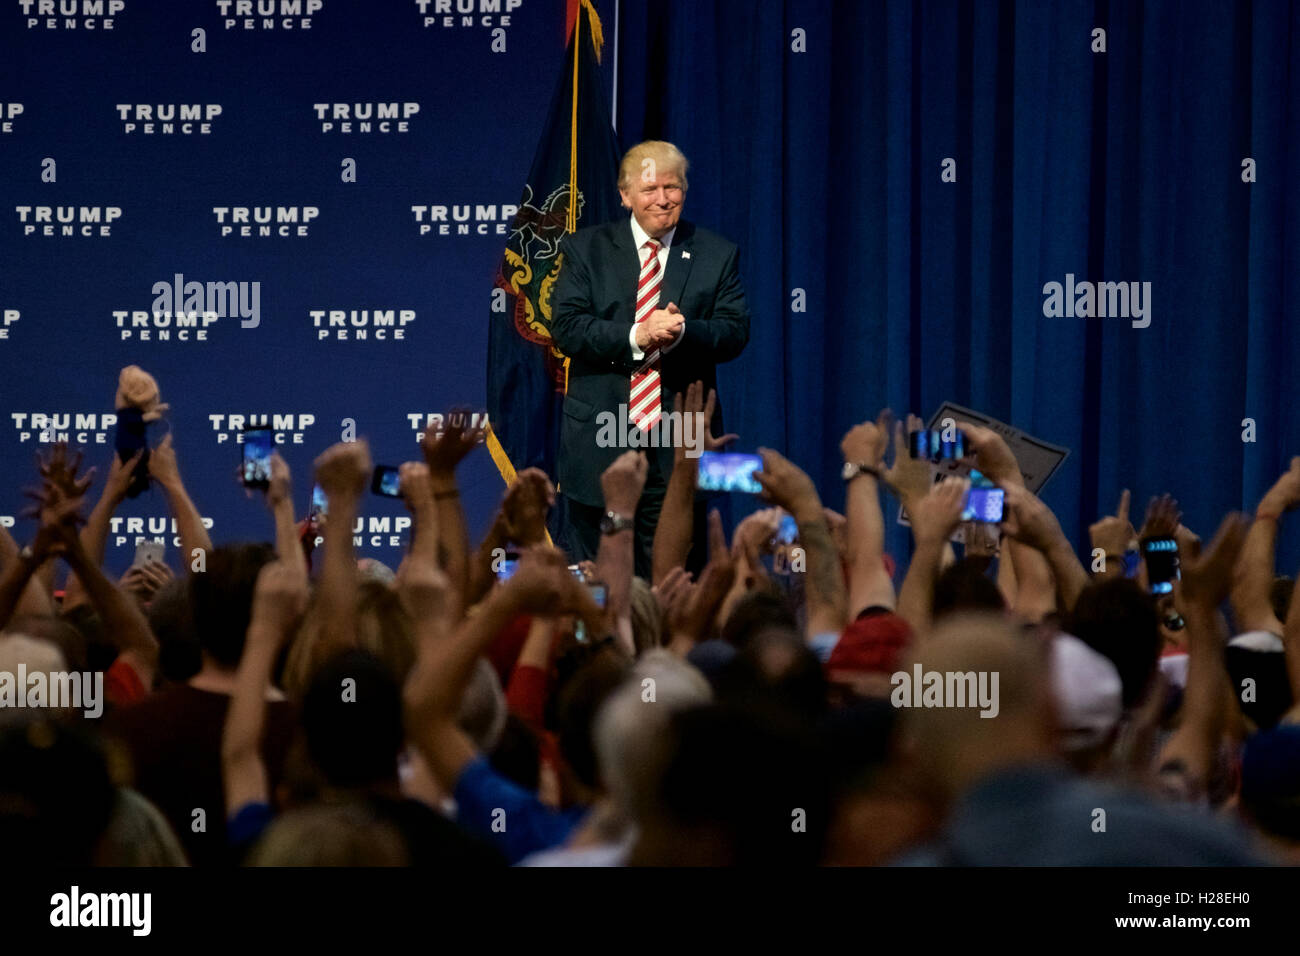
(641,237)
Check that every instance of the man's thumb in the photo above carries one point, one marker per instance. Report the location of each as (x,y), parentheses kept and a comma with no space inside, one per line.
(672,308)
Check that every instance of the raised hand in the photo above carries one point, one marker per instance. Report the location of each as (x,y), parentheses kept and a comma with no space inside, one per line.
(937,515)
(162,464)
(908,477)
(280,489)
(59,467)
(1285,493)
(695,404)
(143,581)
(527,502)
(343,470)
(120,472)
(786,484)
(459,436)
(993,455)
(691,616)
(1114,533)
(865,444)
(1162,518)
(622,483)
(1207,578)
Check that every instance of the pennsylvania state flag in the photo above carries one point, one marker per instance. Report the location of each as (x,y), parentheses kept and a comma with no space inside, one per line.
(573,183)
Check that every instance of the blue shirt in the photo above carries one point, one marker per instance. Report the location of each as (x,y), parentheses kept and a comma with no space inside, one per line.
(512,818)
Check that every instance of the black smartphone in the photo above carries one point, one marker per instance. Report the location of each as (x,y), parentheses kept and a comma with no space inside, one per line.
(129,438)
(257,446)
(729,471)
(386,481)
(1161,556)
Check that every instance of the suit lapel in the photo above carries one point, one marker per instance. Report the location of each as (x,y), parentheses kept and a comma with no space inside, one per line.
(679,265)
(628,264)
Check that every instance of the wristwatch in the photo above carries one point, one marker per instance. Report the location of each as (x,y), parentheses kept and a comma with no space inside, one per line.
(853,469)
(613,523)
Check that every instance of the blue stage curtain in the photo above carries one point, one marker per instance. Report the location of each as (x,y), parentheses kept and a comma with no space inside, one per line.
(1126,165)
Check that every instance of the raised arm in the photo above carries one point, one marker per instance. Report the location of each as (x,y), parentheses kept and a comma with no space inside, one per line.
(279,498)
(1034,524)
(869,583)
(1251,607)
(1112,535)
(1035,593)
(521,521)
(342,471)
(672,540)
(785,484)
(1204,586)
(189,524)
(94,536)
(542,585)
(443,453)
(621,485)
(934,518)
(278,602)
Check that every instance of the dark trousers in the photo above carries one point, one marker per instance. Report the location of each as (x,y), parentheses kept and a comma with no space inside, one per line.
(581,535)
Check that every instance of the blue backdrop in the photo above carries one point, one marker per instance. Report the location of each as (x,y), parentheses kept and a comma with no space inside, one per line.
(818,134)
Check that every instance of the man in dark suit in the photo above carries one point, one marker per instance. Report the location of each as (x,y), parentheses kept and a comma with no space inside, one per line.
(643,307)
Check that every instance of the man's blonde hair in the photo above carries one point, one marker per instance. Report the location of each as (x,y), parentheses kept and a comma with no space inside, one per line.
(665,156)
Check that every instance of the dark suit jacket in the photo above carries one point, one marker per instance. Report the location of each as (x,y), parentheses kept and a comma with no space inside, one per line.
(592,314)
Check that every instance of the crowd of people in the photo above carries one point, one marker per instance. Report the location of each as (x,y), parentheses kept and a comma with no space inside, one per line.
(271,703)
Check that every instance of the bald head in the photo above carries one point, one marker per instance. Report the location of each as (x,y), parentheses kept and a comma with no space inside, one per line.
(955,737)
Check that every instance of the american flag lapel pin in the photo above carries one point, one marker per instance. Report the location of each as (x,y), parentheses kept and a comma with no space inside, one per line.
(685,254)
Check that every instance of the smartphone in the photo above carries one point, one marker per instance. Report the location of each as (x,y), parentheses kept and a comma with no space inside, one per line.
(598,594)
(984,505)
(319,503)
(148,551)
(924,444)
(1161,556)
(729,471)
(930,445)
(386,481)
(129,438)
(258,443)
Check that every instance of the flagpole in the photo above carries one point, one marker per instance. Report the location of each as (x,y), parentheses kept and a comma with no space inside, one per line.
(613,112)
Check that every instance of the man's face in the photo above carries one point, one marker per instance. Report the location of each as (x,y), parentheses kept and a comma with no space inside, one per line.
(655,199)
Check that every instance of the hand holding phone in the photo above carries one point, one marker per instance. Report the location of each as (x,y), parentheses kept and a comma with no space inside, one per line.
(257,446)
(1161,556)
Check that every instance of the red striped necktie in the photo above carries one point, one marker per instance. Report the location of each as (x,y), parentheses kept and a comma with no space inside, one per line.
(643,405)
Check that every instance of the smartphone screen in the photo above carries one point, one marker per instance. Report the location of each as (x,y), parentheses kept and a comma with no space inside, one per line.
(258,443)
(951,450)
(984,505)
(1161,555)
(597,594)
(386,481)
(319,503)
(924,444)
(729,471)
